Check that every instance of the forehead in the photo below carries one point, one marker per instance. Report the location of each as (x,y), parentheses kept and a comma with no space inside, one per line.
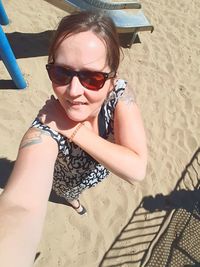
(82,50)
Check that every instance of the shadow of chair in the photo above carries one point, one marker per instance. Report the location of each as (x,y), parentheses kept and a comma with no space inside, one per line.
(177,243)
(161,226)
(6,53)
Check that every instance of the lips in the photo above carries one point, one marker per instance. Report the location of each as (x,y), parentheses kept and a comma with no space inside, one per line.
(76,103)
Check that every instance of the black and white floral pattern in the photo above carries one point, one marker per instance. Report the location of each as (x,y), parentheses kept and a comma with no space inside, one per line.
(75,170)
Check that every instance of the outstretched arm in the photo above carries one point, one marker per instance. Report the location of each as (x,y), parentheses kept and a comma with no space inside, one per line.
(24,200)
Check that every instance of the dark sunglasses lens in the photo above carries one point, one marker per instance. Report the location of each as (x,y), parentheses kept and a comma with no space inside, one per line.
(92,80)
(59,75)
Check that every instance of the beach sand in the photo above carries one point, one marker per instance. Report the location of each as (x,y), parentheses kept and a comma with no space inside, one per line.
(164,72)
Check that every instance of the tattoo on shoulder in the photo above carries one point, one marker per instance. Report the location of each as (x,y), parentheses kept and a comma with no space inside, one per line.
(32,137)
(128,97)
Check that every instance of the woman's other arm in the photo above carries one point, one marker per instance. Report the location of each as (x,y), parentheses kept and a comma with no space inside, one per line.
(24,200)
(127,157)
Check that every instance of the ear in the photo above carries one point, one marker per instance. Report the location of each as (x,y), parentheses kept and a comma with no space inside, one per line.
(113,82)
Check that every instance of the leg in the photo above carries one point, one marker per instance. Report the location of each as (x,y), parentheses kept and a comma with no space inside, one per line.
(76,205)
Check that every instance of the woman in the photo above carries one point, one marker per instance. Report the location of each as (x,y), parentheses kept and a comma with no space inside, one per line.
(93,126)
(90,109)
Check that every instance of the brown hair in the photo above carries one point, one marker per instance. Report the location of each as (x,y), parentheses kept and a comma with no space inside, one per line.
(96,22)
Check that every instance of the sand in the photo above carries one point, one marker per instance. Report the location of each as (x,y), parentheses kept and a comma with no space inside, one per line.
(164,72)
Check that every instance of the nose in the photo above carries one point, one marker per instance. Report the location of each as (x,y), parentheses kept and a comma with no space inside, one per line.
(75,87)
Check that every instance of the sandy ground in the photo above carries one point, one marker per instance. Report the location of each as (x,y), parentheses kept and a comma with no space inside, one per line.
(164,72)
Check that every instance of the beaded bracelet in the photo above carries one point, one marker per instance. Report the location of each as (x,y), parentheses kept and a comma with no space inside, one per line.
(75,131)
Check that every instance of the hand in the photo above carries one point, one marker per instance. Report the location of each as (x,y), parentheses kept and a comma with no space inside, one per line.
(53,115)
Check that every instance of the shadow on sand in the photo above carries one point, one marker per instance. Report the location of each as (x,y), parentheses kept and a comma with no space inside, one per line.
(29,45)
(163,230)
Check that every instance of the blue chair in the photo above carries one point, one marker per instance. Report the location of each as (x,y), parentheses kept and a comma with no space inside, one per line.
(6,53)
(124,21)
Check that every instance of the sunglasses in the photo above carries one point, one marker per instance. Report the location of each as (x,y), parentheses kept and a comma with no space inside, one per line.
(92,80)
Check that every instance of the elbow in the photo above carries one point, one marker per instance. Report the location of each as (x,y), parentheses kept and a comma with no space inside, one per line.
(137,178)
(137,175)
(141,169)
(141,175)
(141,172)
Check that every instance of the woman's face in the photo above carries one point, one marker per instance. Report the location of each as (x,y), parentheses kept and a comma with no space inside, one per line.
(82,51)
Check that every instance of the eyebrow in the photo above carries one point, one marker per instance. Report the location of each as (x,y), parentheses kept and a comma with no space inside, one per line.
(82,69)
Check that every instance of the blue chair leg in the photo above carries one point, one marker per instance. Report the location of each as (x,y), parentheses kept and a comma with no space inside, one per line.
(3,16)
(9,60)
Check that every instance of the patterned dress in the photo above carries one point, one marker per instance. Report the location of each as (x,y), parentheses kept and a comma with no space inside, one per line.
(75,170)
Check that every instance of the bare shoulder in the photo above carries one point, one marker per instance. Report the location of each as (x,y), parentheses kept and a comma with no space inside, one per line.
(128,124)
(128,97)
(32,137)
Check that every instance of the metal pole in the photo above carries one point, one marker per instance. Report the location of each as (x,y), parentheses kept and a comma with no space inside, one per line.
(3,16)
(9,60)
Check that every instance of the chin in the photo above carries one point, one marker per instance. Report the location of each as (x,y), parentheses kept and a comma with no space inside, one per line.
(76,117)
